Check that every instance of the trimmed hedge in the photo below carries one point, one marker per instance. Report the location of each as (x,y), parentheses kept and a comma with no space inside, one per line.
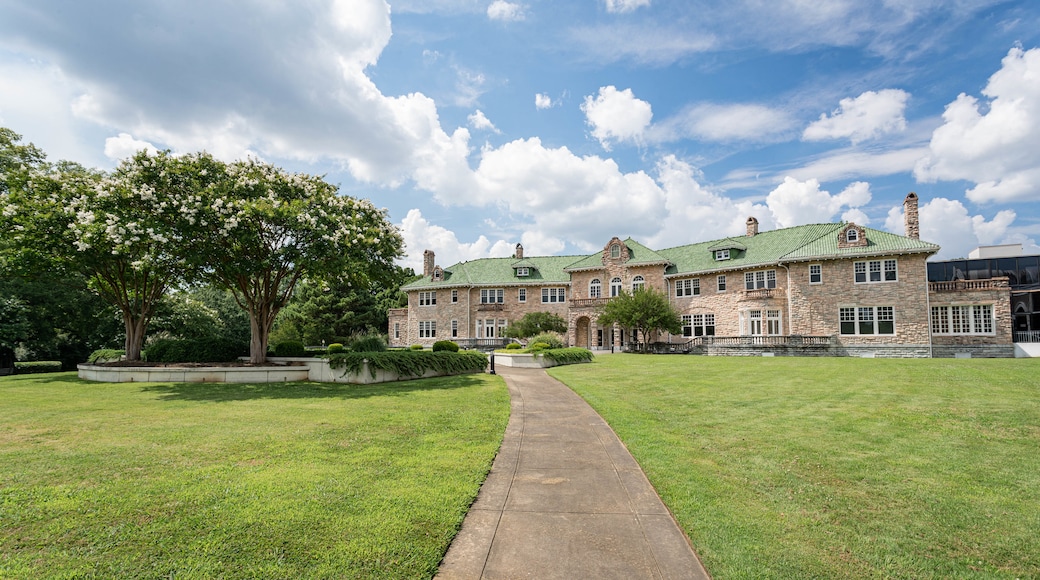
(514,346)
(200,350)
(410,363)
(105,355)
(416,347)
(290,348)
(567,356)
(334,348)
(446,346)
(34,367)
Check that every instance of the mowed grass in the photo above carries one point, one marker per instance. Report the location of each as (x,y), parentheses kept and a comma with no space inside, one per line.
(297,480)
(838,467)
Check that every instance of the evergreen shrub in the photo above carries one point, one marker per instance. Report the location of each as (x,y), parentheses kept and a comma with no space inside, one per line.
(553,340)
(445,345)
(372,343)
(334,348)
(290,348)
(34,367)
(200,350)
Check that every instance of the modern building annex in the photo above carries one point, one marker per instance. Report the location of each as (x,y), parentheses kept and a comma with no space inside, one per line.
(835,289)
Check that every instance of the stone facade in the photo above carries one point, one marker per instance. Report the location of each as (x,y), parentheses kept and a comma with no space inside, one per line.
(815,290)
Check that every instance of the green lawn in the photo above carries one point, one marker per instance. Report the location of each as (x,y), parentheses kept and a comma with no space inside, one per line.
(838,467)
(298,480)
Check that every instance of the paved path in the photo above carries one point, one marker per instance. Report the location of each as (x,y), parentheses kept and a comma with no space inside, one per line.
(565,499)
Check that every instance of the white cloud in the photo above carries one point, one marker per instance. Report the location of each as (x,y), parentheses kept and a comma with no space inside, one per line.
(796,202)
(947,223)
(479,121)
(718,122)
(867,116)
(506,11)
(469,86)
(625,5)
(123,146)
(652,44)
(419,235)
(542,101)
(616,116)
(995,144)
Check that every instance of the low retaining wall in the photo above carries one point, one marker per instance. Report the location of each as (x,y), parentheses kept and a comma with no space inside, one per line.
(523,361)
(281,369)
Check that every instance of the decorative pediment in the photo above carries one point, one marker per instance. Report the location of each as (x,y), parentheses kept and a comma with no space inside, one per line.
(615,252)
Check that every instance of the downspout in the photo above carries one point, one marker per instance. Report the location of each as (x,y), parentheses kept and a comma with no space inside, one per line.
(790,315)
(928,309)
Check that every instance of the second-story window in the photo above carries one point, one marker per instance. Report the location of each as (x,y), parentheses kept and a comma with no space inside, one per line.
(550,295)
(615,287)
(815,274)
(763,279)
(492,296)
(595,288)
(637,283)
(688,287)
(521,295)
(427,298)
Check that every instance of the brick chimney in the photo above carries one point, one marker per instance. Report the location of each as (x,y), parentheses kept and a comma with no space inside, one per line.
(910,221)
(752,227)
(427,263)
(519,254)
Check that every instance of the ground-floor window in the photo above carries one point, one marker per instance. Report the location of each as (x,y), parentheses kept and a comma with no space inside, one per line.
(867,320)
(454,328)
(427,329)
(698,325)
(964,319)
(599,337)
(397,330)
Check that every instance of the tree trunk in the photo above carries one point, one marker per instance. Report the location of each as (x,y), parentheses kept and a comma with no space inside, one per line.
(135,328)
(261,319)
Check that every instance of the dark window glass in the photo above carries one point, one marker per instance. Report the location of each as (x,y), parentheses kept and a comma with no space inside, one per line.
(978,269)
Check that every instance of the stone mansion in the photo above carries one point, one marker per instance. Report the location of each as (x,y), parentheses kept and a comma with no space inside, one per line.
(836,289)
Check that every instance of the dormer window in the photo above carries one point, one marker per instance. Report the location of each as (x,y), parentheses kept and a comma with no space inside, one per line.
(438,273)
(523,271)
(721,255)
(852,235)
(615,251)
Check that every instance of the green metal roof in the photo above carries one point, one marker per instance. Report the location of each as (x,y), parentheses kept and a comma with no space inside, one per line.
(499,272)
(796,244)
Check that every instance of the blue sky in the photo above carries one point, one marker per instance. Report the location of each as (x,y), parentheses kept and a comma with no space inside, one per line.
(480,124)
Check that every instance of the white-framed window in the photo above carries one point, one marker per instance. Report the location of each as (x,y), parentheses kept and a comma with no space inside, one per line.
(595,288)
(397,330)
(521,295)
(427,298)
(502,324)
(550,295)
(759,280)
(489,327)
(815,273)
(852,235)
(866,320)
(691,287)
(721,255)
(427,329)
(762,322)
(492,296)
(615,251)
(698,325)
(454,295)
(720,283)
(523,271)
(638,283)
(963,319)
(615,287)
(454,328)
(875,271)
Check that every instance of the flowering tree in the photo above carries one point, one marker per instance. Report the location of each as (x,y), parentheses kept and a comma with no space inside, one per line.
(266,229)
(645,309)
(122,231)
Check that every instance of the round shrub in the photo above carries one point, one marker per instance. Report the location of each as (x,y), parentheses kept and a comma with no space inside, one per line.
(536,346)
(368,344)
(416,347)
(290,348)
(513,346)
(334,348)
(445,345)
(552,340)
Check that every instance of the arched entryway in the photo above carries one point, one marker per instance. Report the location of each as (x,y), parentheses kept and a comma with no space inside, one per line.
(582,332)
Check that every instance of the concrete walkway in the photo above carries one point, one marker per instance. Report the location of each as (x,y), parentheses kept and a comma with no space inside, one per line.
(565,499)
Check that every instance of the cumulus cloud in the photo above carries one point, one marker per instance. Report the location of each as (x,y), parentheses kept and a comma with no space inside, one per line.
(125,145)
(479,121)
(542,101)
(419,235)
(948,223)
(625,5)
(616,116)
(994,144)
(506,11)
(867,116)
(796,202)
(730,122)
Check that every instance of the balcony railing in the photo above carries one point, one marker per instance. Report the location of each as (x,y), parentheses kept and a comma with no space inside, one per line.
(960,285)
(489,307)
(797,341)
(759,294)
(1027,336)
(588,302)
(484,344)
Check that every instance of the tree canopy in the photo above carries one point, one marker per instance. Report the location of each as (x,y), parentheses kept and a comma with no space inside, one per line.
(645,309)
(534,323)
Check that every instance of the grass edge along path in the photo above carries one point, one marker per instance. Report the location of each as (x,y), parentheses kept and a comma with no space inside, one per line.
(836,467)
(197,480)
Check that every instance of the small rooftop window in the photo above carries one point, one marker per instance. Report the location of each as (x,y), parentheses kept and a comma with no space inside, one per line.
(852,235)
(615,251)
(721,255)
(523,271)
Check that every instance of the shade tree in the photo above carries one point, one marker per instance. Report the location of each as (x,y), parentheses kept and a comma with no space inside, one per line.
(645,309)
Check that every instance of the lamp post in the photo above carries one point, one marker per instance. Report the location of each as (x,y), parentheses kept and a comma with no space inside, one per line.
(492,362)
